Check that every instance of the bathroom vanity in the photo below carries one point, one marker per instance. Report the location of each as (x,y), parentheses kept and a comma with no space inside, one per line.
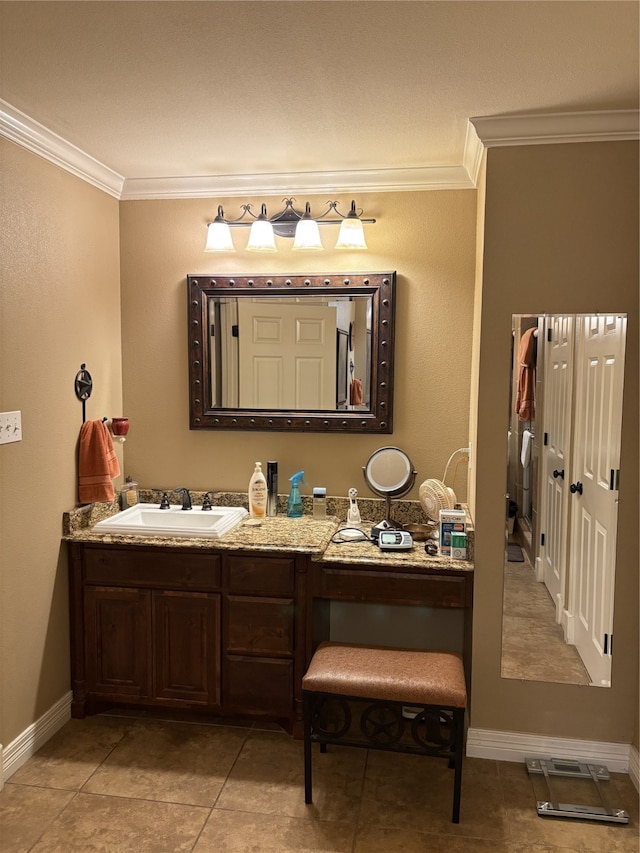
(227,628)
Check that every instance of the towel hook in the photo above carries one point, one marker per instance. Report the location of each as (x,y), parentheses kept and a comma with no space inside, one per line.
(84,387)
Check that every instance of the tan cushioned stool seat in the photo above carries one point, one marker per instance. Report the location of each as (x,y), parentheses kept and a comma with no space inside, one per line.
(398,675)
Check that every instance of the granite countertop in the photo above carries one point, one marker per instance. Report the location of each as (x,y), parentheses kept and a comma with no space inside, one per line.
(295,535)
(306,535)
(365,553)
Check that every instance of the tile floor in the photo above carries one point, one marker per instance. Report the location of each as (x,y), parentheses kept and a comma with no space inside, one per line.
(529,625)
(142,784)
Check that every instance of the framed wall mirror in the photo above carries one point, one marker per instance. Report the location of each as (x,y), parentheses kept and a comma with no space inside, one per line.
(563,471)
(307,353)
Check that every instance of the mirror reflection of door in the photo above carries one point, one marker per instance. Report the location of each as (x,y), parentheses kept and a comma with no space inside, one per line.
(558,602)
(287,356)
(594,490)
(558,382)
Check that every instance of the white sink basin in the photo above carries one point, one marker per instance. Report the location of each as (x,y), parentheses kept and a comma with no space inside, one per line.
(149,520)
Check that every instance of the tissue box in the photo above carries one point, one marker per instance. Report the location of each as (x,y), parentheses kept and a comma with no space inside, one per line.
(451,521)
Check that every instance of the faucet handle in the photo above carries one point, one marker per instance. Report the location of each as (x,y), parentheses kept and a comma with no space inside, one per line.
(164,501)
(206,501)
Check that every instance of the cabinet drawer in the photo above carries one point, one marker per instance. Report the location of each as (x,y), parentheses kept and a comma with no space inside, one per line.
(262,685)
(260,575)
(400,588)
(260,625)
(167,569)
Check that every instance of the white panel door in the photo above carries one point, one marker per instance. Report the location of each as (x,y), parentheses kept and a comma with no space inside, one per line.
(287,356)
(594,488)
(556,426)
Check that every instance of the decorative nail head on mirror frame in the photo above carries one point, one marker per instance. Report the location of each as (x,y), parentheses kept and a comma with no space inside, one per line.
(307,353)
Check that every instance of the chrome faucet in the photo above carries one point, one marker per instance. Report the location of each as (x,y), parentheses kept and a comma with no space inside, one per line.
(186,498)
(206,501)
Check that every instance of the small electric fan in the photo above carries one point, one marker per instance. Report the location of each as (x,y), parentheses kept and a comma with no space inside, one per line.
(436,495)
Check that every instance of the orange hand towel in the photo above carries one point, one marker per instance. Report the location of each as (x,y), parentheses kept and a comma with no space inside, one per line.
(526,395)
(355,393)
(97,463)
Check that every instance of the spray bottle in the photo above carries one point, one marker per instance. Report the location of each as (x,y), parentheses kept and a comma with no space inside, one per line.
(294,504)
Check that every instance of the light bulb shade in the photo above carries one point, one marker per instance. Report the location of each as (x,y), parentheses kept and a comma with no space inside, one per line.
(307,236)
(261,237)
(351,234)
(219,237)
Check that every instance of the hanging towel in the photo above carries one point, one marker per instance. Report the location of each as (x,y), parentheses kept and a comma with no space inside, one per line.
(525,398)
(97,464)
(355,392)
(525,456)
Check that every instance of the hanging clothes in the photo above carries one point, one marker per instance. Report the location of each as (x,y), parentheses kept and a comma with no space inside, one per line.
(527,357)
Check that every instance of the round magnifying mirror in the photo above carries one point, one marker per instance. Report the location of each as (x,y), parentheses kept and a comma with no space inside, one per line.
(389,473)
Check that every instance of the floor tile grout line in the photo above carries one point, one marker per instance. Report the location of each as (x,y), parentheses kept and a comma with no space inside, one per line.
(105,757)
(230,771)
(54,818)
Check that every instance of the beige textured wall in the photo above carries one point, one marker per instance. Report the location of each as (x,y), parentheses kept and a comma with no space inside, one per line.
(59,307)
(429,238)
(561,235)
(562,231)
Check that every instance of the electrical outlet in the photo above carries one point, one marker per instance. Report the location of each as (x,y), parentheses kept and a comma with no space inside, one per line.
(10,427)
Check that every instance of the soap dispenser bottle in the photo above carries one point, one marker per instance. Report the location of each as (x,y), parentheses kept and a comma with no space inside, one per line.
(258,493)
(294,504)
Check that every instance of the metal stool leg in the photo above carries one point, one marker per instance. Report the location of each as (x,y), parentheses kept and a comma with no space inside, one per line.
(306,716)
(458,721)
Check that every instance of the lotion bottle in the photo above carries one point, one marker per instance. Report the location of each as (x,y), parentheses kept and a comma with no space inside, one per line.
(258,493)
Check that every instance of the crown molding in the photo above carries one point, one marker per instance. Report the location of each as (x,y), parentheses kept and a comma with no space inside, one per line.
(482,132)
(20,128)
(551,128)
(473,154)
(364,180)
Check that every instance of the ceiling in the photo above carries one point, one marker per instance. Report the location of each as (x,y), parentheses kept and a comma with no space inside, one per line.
(236,96)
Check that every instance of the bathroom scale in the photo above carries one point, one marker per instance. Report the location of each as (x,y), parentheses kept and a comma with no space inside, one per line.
(576,789)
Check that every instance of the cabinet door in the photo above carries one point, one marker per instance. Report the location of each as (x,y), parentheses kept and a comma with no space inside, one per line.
(118,641)
(187,647)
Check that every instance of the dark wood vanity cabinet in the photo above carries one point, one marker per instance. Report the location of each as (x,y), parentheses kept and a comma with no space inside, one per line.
(155,626)
(226,632)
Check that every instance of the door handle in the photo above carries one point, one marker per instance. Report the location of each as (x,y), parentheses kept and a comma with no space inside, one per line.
(557,473)
(576,487)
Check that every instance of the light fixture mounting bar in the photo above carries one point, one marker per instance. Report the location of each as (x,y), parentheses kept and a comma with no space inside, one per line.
(288,222)
(284,222)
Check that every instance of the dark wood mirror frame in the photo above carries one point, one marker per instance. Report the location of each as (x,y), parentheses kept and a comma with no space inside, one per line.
(377,419)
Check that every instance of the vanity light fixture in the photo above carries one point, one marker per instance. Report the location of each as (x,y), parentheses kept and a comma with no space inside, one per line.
(288,222)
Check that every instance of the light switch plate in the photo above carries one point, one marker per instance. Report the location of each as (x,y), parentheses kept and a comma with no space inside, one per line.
(10,427)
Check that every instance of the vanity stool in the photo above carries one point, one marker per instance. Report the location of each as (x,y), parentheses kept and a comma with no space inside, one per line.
(399,700)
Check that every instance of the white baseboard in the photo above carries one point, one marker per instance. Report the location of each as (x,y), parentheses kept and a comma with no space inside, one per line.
(516,746)
(32,738)
(634,767)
